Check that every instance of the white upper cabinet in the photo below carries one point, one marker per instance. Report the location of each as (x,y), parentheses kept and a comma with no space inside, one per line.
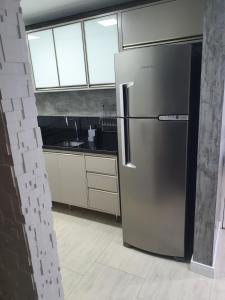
(43,58)
(102,43)
(162,21)
(75,55)
(70,55)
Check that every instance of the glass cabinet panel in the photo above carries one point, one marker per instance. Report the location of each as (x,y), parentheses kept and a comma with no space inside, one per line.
(102,43)
(43,58)
(70,55)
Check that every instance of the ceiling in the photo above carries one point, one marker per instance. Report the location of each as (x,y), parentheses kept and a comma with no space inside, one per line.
(36,11)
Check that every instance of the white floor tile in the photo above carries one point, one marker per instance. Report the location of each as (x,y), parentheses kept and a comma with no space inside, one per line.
(170,280)
(167,268)
(96,265)
(218,289)
(163,289)
(105,283)
(81,241)
(126,259)
(70,280)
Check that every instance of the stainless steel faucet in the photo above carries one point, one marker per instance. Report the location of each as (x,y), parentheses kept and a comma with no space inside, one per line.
(75,123)
(66,120)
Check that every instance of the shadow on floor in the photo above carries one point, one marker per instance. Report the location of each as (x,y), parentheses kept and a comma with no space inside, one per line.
(87,214)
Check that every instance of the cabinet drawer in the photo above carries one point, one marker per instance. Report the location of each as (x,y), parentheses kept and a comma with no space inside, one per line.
(102,182)
(104,201)
(101,165)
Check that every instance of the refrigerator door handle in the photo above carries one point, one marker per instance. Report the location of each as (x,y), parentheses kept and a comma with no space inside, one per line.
(125,125)
(125,143)
(124,98)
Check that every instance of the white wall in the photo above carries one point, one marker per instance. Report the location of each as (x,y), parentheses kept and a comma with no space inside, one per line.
(29,266)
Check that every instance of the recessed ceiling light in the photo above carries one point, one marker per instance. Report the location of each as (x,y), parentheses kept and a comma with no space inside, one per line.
(33,37)
(109,22)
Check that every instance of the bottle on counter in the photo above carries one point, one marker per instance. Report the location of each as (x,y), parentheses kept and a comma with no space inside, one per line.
(91,134)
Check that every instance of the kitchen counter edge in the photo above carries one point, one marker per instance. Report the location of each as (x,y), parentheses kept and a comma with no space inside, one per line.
(79,150)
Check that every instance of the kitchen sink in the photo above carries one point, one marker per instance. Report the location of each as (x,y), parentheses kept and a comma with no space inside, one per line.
(70,143)
(76,144)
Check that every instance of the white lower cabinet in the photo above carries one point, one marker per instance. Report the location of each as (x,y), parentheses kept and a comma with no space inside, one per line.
(84,180)
(67,178)
(73,179)
(52,167)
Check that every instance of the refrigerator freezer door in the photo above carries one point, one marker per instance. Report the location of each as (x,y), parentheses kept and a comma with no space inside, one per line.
(160,80)
(153,194)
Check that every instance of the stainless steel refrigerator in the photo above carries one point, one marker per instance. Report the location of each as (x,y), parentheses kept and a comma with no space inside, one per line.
(153,93)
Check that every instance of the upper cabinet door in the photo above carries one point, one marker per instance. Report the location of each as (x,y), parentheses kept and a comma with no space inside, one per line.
(162,21)
(70,55)
(43,59)
(102,43)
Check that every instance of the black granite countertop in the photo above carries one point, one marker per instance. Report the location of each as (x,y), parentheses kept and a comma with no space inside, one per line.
(86,146)
(56,136)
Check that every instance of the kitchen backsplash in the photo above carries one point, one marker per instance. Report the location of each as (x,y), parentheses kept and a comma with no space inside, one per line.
(91,103)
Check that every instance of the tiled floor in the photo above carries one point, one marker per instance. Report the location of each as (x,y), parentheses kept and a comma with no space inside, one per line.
(96,266)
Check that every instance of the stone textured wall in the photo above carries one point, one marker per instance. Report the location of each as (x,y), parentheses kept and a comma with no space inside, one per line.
(29,266)
(210,153)
(77,103)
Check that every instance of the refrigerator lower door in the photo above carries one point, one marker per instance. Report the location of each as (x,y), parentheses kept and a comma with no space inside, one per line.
(153,193)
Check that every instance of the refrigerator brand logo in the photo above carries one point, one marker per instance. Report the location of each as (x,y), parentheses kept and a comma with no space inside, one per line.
(148,67)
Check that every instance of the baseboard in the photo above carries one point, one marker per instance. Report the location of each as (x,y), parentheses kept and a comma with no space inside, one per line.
(206,270)
(202,269)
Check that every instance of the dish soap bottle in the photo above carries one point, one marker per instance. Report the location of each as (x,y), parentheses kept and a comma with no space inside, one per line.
(91,134)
